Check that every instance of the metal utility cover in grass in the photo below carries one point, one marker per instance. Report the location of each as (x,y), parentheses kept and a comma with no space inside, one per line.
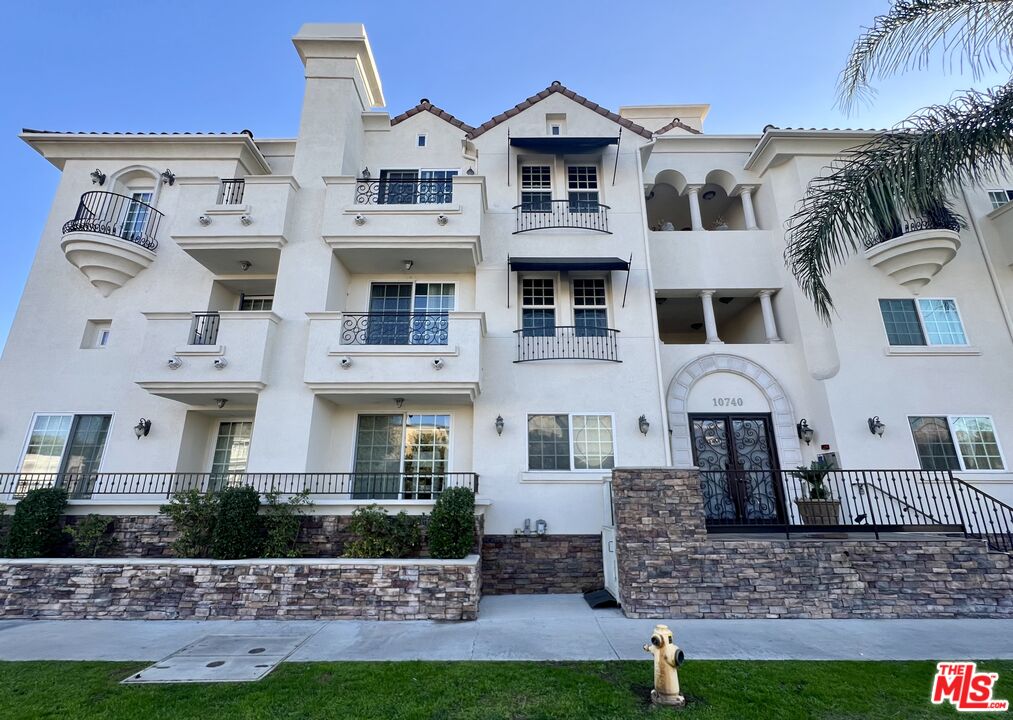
(220,658)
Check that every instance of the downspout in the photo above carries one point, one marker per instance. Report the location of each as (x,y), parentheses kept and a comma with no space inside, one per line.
(990,266)
(662,405)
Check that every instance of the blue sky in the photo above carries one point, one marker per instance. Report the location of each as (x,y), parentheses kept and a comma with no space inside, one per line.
(226,65)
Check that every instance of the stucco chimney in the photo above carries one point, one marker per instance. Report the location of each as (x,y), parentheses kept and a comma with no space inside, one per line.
(341,82)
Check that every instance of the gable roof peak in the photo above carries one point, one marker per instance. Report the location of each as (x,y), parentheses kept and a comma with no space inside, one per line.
(426,106)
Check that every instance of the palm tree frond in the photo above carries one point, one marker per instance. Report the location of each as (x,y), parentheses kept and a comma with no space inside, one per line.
(909,171)
(976,34)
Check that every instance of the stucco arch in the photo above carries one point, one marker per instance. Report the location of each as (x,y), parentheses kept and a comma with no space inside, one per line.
(722,178)
(671,177)
(789,450)
(124,179)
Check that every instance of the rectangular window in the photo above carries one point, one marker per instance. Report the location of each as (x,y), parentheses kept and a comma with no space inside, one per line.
(570,442)
(999,198)
(420,141)
(582,188)
(67,449)
(409,314)
(256,302)
(956,442)
(927,321)
(416,187)
(590,315)
(536,188)
(96,334)
(232,450)
(538,307)
(401,456)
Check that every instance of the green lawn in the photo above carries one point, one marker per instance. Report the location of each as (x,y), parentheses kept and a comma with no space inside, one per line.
(586,690)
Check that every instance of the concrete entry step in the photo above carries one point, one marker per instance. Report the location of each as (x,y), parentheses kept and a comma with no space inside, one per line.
(221,658)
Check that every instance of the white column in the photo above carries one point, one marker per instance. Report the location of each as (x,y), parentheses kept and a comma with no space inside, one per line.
(709,323)
(769,326)
(747,208)
(694,206)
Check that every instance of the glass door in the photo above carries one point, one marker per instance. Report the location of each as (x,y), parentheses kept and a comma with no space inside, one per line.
(401,456)
(84,453)
(232,450)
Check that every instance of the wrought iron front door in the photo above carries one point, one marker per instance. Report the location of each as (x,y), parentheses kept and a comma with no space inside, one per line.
(736,455)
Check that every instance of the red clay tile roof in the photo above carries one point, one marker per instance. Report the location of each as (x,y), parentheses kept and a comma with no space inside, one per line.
(426,106)
(558,87)
(677,123)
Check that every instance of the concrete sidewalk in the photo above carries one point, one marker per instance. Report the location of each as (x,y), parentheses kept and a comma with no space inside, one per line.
(524,627)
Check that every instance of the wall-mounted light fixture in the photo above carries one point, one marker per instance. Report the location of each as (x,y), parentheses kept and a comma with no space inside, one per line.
(804,431)
(220,402)
(499,424)
(168,176)
(98,177)
(876,427)
(245,265)
(709,195)
(442,219)
(407,265)
(204,220)
(399,402)
(174,363)
(246,220)
(365,173)
(643,424)
(142,428)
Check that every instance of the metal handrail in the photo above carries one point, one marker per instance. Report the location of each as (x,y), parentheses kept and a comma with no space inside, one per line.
(118,216)
(900,227)
(900,501)
(231,191)
(395,328)
(985,517)
(353,485)
(576,214)
(567,342)
(204,328)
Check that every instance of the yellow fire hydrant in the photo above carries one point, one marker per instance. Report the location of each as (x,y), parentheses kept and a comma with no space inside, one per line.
(667,659)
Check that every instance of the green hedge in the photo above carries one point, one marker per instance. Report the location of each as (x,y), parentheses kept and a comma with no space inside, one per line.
(452,524)
(35,530)
(379,535)
(238,532)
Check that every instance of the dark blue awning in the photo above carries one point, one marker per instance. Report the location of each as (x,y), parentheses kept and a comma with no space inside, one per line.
(558,144)
(575,264)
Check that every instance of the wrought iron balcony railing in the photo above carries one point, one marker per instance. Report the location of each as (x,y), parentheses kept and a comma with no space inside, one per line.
(567,342)
(411,191)
(354,486)
(579,214)
(942,219)
(873,501)
(118,216)
(231,191)
(204,328)
(394,328)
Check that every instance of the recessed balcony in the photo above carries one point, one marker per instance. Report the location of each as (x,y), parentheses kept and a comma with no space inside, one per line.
(567,214)
(235,224)
(376,225)
(111,238)
(424,357)
(730,259)
(201,358)
(914,252)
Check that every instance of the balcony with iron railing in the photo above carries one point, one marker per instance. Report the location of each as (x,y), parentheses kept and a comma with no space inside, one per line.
(571,214)
(567,342)
(375,225)
(199,358)
(225,223)
(913,249)
(355,357)
(111,238)
(320,486)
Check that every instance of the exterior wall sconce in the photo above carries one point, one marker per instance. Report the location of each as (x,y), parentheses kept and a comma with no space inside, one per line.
(360,219)
(442,219)
(221,363)
(407,265)
(365,173)
(804,431)
(499,424)
(470,171)
(399,402)
(142,428)
(220,402)
(246,220)
(876,427)
(174,363)
(643,424)
(438,363)
(98,177)
(245,265)
(168,176)
(204,220)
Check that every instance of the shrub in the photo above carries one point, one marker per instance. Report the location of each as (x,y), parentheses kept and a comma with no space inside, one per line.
(4,523)
(452,524)
(379,535)
(193,514)
(35,529)
(91,536)
(282,521)
(238,532)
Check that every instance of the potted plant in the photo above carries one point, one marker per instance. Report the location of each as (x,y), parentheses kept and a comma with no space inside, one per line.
(818,507)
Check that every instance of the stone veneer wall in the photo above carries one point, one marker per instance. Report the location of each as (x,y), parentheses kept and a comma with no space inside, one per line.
(541,564)
(670,567)
(160,589)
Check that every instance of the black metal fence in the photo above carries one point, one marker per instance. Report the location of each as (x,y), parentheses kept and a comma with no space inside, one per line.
(204,328)
(394,328)
(543,214)
(902,224)
(872,501)
(407,191)
(567,342)
(231,191)
(366,486)
(117,216)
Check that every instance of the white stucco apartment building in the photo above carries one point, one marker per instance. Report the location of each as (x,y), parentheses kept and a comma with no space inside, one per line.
(398,302)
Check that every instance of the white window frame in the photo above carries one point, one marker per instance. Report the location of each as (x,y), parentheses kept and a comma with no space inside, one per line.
(607,307)
(419,179)
(921,323)
(1008,194)
(540,163)
(953,439)
(71,414)
(404,427)
(210,463)
(569,430)
(414,284)
(557,297)
(244,297)
(422,140)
